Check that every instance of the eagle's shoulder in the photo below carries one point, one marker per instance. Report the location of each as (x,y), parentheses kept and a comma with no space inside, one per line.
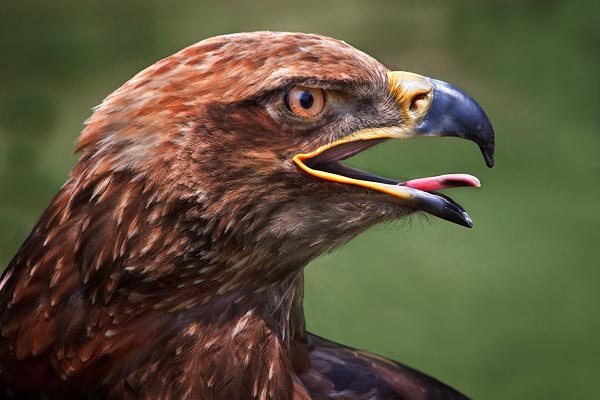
(342,372)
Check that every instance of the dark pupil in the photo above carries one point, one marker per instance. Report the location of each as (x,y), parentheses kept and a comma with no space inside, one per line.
(306,100)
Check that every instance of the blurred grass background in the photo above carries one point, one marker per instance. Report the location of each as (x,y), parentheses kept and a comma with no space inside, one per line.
(507,310)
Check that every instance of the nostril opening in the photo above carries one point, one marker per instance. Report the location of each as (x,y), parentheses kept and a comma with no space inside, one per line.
(418,103)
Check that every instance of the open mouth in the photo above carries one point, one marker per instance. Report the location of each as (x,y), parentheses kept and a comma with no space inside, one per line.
(329,161)
(420,194)
(427,107)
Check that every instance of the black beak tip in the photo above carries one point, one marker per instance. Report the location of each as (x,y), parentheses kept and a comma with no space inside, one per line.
(482,132)
(465,220)
(489,159)
(488,153)
(487,147)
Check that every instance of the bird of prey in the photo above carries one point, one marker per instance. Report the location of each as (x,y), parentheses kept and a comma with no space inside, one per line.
(170,264)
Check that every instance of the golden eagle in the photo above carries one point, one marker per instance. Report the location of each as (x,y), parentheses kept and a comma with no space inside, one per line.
(170,264)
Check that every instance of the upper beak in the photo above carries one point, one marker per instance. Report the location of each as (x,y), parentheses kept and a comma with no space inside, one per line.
(440,109)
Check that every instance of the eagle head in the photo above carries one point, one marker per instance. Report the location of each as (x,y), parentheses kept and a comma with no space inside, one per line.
(237,142)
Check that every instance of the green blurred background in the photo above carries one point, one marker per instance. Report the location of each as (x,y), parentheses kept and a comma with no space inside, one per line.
(507,310)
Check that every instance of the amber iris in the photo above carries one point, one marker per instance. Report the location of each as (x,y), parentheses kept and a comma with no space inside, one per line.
(305,102)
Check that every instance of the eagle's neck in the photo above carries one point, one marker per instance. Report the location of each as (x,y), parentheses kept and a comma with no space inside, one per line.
(143,272)
(254,341)
(278,304)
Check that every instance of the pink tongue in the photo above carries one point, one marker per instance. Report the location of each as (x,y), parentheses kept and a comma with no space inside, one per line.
(443,182)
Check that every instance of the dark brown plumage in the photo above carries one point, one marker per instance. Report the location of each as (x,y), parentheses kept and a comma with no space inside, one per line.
(169,266)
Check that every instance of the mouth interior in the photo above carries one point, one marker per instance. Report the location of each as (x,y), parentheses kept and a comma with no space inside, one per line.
(330,161)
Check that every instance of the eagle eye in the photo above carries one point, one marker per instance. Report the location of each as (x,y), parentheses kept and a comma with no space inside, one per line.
(305,102)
